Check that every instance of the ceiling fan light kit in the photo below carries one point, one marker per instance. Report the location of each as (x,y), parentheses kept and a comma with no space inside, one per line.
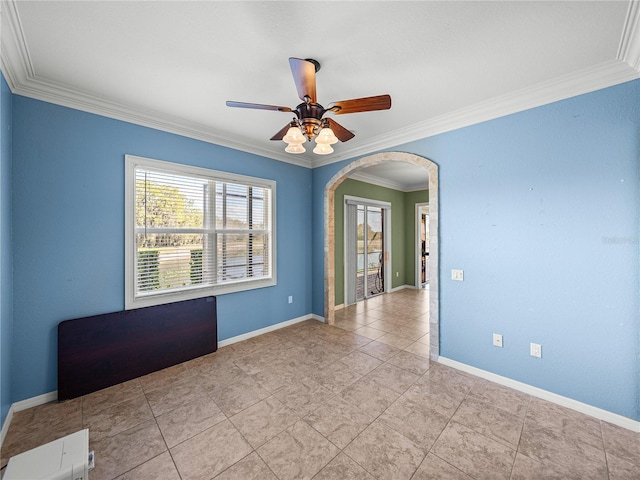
(309,121)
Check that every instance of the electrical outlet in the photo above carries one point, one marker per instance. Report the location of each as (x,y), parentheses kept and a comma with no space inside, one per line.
(535,350)
(397,274)
(457,275)
(290,298)
(497,340)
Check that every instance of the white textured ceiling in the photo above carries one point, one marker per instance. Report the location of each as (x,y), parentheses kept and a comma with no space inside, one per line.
(172,65)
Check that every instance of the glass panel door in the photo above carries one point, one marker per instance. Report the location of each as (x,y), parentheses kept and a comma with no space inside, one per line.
(375,252)
(361,247)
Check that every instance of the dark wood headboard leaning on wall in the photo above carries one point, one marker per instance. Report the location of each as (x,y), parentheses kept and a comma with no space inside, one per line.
(103,350)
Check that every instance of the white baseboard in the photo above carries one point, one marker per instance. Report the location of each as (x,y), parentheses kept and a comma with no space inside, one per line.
(270,328)
(23,405)
(339,307)
(5,425)
(402,287)
(587,409)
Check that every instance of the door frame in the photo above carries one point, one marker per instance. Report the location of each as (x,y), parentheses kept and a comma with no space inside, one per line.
(386,239)
(418,244)
(329,236)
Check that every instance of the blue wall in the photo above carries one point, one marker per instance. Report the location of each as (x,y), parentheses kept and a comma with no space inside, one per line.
(541,210)
(68,223)
(6,266)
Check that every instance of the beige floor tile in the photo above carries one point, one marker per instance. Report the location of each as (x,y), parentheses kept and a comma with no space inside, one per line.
(621,442)
(276,377)
(384,325)
(394,340)
(165,399)
(451,378)
(343,468)
(434,468)
(438,397)
(385,453)
(411,332)
(422,427)
(163,378)
(221,376)
(123,452)
(297,453)
(336,377)
(210,452)
(158,468)
(425,339)
(250,467)
(490,421)
(108,397)
(418,348)
(412,363)
(304,396)
(360,362)
(188,420)
(622,469)
(264,420)
(118,418)
(474,454)
(381,351)
(236,397)
(502,397)
(526,468)
(339,421)
(349,324)
(565,422)
(317,368)
(369,396)
(369,332)
(544,446)
(392,377)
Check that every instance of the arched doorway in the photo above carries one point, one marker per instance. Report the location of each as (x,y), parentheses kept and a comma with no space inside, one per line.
(329,239)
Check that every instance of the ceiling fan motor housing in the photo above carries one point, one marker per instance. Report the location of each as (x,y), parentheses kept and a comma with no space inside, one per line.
(310,118)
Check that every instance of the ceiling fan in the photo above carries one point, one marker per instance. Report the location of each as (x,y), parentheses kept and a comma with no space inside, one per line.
(309,121)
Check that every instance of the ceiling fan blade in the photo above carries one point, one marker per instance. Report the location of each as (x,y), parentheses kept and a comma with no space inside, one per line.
(366,104)
(342,133)
(304,76)
(258,106)
(280,135)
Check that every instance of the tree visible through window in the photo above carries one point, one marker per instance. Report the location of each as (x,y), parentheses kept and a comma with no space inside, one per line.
(196,232)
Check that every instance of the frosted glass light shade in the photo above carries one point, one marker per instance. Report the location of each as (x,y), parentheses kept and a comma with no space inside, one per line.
(326,137)
(295,148)
(323,149)
(294,136)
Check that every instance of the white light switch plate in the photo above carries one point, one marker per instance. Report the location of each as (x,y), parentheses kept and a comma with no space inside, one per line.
(457,275)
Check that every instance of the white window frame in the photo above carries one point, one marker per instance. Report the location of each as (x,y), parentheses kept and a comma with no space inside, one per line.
(136,301)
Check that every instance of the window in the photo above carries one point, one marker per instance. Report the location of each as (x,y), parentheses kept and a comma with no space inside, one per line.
(192,232)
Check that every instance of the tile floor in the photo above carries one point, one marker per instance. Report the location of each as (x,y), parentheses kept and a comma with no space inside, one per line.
(359,400)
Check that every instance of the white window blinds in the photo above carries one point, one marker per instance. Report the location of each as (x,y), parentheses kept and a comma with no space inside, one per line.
(197,232)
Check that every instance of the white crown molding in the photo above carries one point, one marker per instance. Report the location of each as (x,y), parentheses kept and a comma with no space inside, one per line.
(22,80)
(384,182)
(629,49)
(375,180)
(600,76)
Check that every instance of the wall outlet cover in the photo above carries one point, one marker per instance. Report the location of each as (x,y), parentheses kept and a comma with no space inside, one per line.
(535,350)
